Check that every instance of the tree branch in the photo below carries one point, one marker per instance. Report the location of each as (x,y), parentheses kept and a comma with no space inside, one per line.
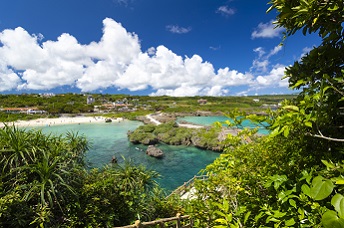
(340,92)
(325,137)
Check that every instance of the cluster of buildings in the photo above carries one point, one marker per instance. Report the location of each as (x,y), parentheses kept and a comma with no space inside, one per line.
(119,106)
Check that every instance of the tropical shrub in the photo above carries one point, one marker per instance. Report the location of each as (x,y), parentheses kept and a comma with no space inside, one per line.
(46,182)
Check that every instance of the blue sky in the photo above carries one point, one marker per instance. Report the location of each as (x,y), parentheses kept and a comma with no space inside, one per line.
(146,47)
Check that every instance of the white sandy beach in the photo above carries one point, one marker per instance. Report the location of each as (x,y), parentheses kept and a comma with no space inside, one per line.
(59,121)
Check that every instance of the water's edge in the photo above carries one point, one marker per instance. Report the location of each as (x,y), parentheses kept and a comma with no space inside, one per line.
(180,163)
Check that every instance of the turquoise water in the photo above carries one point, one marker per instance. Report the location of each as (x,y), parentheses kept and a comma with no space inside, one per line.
(179,164)
(209,120)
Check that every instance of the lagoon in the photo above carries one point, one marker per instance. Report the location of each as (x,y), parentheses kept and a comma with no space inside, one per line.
(179,164)
(209,120)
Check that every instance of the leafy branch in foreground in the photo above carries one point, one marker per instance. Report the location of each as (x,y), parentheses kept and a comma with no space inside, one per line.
(320,72)
(294,176)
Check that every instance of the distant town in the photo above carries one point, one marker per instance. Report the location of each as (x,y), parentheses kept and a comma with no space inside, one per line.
(50,104)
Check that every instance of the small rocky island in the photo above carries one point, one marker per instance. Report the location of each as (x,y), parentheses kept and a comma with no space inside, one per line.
(209,138)
(154,152)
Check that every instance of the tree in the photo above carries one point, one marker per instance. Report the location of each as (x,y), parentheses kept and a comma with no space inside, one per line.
(292,178)
(319,73)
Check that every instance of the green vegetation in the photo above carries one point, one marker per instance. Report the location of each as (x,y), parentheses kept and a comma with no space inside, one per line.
(293,177)
(4,117)
(170,133)
(45,183)
(76,104)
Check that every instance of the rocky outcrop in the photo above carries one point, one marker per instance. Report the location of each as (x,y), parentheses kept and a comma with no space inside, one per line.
(142,138)
(165,118)
(150,141)
(143,119)
(205,138)
(168,117)
(154,152)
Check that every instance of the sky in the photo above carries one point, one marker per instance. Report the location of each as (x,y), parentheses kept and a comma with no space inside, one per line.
(145,47)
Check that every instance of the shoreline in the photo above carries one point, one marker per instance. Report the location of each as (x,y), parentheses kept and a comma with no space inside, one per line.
(59,121)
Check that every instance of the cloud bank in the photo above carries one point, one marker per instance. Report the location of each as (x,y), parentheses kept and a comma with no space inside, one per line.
(115,62)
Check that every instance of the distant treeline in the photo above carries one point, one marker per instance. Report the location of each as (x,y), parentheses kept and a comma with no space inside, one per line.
(72,103)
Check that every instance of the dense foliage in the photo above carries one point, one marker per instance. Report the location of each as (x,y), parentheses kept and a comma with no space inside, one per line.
(293,177)
(45,182)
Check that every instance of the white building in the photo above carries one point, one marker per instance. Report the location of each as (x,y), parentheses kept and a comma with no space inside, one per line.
(90,99)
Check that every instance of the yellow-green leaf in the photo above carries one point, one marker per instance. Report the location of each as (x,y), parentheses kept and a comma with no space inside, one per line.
(292,203)
(275,132)
(290,222)
(331,220)
(221,221)
(340,181)
(338,203)
(291,107)
(298,83)
(308,124)
(321,188)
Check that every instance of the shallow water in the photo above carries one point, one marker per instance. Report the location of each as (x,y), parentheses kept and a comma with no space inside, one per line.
(209,120)
(179,164)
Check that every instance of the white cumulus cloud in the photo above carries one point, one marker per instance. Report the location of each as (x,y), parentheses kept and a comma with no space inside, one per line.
(8,79)
(273,78)
(266,30)
(20,50)
(115,62)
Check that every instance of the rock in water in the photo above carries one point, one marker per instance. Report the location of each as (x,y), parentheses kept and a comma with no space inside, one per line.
(154,152)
